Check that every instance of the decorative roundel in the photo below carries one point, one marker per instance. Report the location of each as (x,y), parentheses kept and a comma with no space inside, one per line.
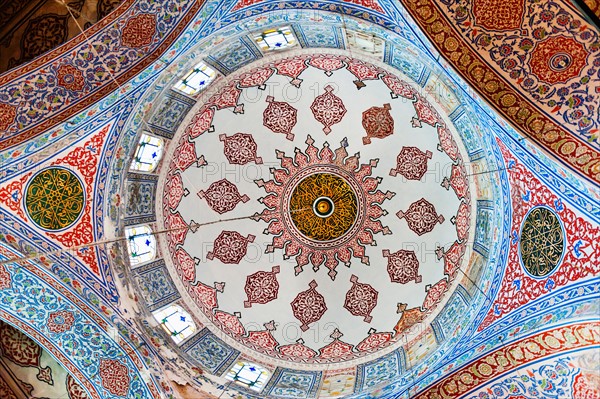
(542,242)
(54,198)
(560,61)
(323,206)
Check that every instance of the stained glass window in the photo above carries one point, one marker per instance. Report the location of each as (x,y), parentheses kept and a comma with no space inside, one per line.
(196,80)
(249,375)
(147,154)
(141,244)
(176,322)
(275,39)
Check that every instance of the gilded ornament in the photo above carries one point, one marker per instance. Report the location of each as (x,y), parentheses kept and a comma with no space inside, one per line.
(54,199)
(323,206)
(542,242)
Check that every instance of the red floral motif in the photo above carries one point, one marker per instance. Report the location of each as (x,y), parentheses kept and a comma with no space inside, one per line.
(581,258)
(230,322)
(222,196)
(139,31)
(115,377)
(12,194)
(329,253)
(447,143)
(205,295)
(328,109)
(261,287)
(175,189)
(75,390)
(230,247)
(228,97)
(256,77)
(5,279)
(70,78)
(264,339)
(499,15)
(186,264)
(411,163)
(558,59)
(8,113)
(185,155)
(309,306)
(178,229)
(45,375)
(408,319)
(426,113)
(513,356)
(292,67)
(240,149)
(335,350)
(298,350)
(18,347)
(435,293)
(374,341)
(202,122)
(461,221)
(361,299)
(398,87)
(421,217)
(326,63)
(362,71)
(280,117)
(59,322)
(403,266)
(452,257)
(84,159)
(458,181)
(378,122)
(584,386)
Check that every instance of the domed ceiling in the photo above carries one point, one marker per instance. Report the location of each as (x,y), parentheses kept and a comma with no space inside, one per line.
(349,223)
(328,207)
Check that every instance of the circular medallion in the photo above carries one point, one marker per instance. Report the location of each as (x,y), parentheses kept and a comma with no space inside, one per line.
(323,206)
(54,199)
(542,242)
(560,61)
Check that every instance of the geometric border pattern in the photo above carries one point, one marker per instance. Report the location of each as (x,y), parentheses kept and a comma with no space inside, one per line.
(208,350)
(377,371)
(155,284)
(284,383)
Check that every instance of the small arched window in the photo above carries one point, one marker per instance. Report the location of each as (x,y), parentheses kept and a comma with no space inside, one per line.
(147,154)
(196,80)
(275,39)
(248,374)
(176,322)
(141,244)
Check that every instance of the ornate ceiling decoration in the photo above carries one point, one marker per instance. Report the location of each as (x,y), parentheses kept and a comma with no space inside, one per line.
(537,66)
(320,256)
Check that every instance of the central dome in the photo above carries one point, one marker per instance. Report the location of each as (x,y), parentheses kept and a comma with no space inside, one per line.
(301,250)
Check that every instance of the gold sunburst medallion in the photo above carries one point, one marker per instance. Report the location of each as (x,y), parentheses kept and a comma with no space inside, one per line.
(323,206)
